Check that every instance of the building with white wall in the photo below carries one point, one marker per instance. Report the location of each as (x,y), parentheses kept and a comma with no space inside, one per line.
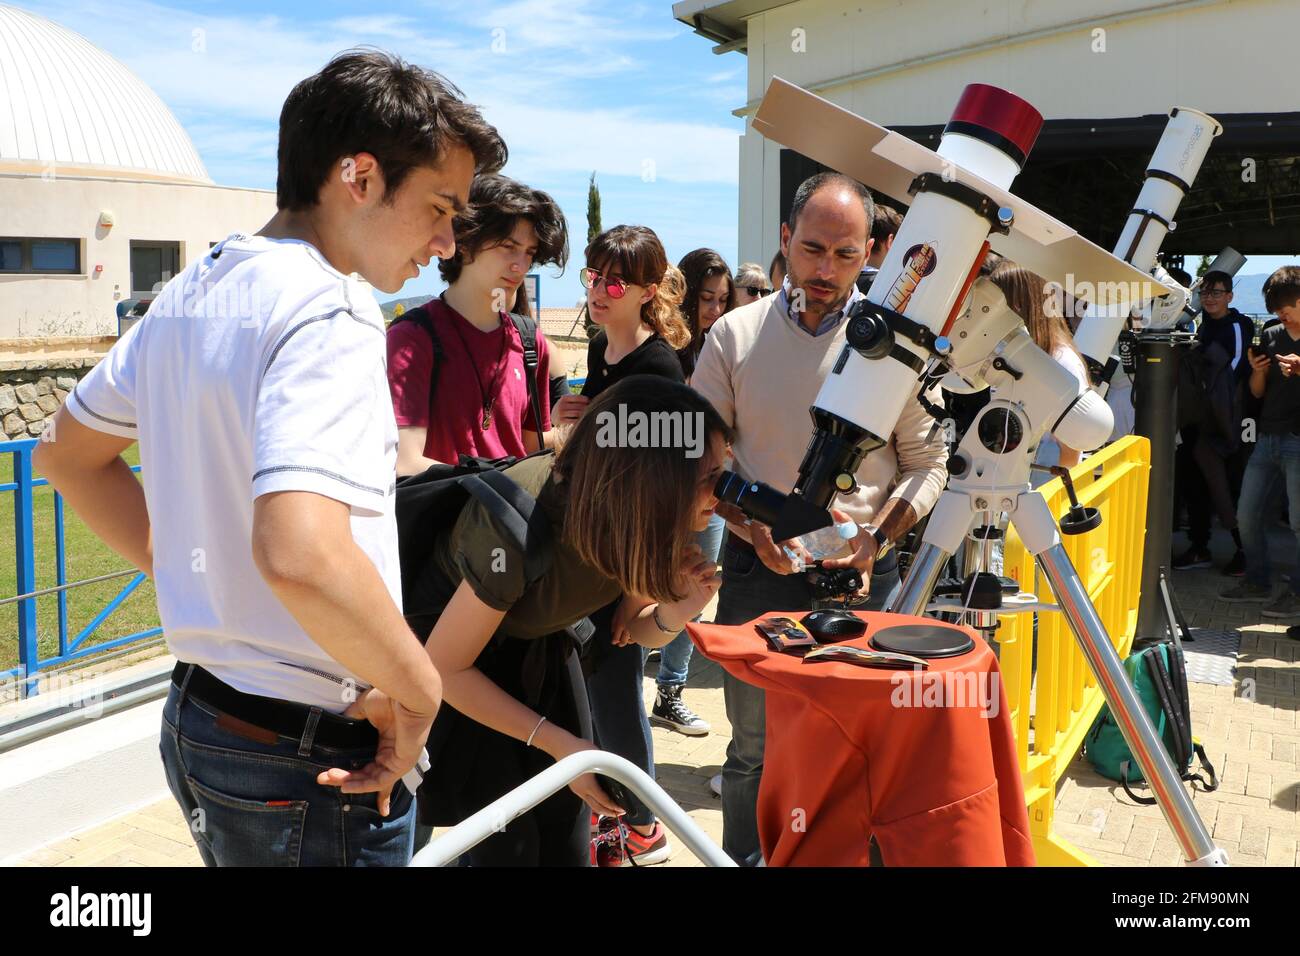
(102,194)
(1104,74)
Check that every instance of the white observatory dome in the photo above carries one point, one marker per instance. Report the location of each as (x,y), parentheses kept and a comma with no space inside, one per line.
(65,102)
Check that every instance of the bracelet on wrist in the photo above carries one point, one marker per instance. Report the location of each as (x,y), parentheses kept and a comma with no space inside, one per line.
(659,623)
(534,733)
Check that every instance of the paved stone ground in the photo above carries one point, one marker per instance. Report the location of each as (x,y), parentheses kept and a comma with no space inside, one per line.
(157,835)
(1253,743)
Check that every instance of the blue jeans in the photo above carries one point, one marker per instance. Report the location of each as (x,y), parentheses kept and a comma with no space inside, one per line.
(1274,466)
(750,590)
(675,658)
(249,803)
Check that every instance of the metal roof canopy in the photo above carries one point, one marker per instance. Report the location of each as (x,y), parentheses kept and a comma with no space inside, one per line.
(1087,172)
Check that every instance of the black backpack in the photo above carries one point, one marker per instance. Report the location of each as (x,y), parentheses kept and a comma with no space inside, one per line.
(428,505)
(527,329)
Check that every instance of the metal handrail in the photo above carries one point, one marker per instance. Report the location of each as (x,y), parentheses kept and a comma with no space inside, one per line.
(65,587)
(493,818)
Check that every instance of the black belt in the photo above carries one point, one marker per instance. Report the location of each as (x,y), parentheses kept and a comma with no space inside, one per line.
(884,565)
(279,716)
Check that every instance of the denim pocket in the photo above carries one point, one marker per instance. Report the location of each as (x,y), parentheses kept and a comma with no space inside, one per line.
(372,840)
(367,804)
(244,832)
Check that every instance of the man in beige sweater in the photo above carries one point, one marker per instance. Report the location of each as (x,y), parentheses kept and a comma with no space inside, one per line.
(761,367)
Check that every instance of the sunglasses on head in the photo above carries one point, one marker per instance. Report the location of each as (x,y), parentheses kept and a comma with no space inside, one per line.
(615,288)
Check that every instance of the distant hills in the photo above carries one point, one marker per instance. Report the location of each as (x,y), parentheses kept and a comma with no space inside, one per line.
(1247,296)
(410,302)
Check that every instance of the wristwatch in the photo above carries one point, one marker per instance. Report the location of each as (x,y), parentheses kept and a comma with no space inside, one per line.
(883,544)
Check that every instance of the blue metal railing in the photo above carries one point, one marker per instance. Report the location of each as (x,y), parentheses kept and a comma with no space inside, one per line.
(30,663)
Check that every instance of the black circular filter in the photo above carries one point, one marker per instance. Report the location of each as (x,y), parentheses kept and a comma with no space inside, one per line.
(1000,431)
(923,640)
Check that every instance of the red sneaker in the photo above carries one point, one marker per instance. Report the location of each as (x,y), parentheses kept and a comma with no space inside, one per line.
(649,849)
(607,845)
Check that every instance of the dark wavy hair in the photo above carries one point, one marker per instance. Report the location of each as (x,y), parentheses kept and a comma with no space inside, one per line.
(496,204)
(697,266)
(366,100)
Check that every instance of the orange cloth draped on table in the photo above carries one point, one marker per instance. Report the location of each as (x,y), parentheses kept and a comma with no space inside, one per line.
(914,758)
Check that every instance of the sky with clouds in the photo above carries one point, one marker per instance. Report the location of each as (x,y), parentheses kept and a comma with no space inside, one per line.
(574,86)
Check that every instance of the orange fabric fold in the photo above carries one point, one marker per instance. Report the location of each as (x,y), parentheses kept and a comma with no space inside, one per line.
(924,761)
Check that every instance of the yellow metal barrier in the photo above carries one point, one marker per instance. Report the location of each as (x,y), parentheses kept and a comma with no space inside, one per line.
(1062,698)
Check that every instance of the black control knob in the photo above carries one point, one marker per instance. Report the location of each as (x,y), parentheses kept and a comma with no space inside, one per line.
(867,332)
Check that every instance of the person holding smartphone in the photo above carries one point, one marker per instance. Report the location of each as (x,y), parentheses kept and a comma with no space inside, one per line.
(1273,471)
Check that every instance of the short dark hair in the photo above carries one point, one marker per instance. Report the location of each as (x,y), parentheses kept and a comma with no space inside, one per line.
(778,261)
(366,100)
(1222,278)
(1181,276)
(496,204)
(1282,288)
(885,223)
(814,184)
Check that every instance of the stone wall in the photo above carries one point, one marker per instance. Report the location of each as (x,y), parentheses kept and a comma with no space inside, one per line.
(31,392)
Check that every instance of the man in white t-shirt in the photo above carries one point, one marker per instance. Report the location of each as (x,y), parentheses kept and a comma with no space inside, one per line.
(257,390)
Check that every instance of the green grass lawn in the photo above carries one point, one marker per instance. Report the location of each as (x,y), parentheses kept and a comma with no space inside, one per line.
(86,557)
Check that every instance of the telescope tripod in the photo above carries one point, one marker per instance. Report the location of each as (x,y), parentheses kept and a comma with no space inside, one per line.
(949,525)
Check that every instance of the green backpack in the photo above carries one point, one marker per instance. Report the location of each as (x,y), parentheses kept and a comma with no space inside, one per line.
(1158,673)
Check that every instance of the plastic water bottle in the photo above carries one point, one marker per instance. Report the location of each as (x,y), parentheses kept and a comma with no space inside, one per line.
(822,543)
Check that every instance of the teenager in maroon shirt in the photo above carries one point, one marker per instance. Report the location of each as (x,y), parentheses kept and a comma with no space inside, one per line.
(480,404)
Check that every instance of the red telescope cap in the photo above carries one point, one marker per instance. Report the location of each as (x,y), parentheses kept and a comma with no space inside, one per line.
(998,117)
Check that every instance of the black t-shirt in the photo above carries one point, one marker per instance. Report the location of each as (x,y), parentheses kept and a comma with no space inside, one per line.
(1279,409)
(559,388)
(654,356)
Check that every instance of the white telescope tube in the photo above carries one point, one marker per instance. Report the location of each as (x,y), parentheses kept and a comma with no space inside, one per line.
(1170,173)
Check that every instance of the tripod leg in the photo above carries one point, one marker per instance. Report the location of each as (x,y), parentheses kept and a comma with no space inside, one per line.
(1133,721)
(944,533)
(921,578)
